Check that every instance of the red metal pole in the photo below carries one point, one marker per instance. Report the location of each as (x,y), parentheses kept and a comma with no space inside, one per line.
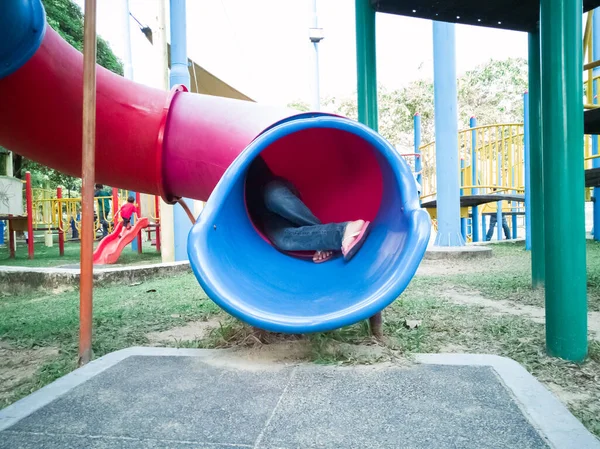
(29,199)
(115,205)
(138,199)
(115,199)
(86,281)
(61,232)
(157,212)
(11,239)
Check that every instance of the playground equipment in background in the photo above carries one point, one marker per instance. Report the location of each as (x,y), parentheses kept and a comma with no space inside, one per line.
(110,247)
(499,149)
(492,175)
(199,147)
(48,210)
(493,155)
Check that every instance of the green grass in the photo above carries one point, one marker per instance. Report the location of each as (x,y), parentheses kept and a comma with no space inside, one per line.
(509,275)
(124,315)
(447,327)
(48,256)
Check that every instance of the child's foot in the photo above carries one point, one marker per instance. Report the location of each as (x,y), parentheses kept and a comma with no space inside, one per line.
(322,256)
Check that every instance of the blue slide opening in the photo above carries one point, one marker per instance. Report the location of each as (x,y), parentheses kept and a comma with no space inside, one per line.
(268,289)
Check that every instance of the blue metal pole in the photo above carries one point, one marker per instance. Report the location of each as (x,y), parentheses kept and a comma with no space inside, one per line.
(499,204)
(179,75)
(596,161)
(134,242)
(1,232)
(446,135)
(127,73)
(417,132)
(513,205)
(417,145)
(475,190)
(463,221)
(483,228)
(527,157)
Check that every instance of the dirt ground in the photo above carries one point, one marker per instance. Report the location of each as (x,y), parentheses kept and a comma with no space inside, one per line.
(503,307)
(193,331)
(18,365)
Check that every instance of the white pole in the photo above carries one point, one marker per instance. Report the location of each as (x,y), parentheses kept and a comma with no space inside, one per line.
(127,64)
(315,38)
(161,44)
(9,164)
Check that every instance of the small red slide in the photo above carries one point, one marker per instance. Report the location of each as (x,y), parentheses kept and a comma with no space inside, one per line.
(110,247)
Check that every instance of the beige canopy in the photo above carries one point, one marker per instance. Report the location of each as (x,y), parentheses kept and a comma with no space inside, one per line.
(204,82)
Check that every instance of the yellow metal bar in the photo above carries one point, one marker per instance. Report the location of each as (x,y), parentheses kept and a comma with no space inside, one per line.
(587,34)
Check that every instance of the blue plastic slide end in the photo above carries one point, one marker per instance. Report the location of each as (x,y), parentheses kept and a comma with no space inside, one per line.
(22,28)
(248,278)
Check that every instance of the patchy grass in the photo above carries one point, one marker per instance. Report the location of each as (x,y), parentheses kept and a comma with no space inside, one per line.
(447,327)
(508,275)
(48,256)
(123,315)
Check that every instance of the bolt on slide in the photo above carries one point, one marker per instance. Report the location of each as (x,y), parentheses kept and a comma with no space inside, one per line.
(182,144)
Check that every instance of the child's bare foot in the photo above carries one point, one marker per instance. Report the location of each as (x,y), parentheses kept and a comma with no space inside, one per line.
(321,256)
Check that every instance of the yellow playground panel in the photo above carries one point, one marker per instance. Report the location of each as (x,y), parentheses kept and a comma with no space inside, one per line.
(53,213)
(498,153)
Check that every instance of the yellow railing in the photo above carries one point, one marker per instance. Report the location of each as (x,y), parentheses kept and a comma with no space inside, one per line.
(591,81)
(51,212)
(498,153)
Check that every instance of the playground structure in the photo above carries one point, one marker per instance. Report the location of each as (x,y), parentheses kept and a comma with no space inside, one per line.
(486,151)
(199,147)
(177,130)
(491,173)
(48,211)
(554,133)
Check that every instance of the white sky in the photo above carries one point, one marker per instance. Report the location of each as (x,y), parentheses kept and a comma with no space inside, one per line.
(261,47)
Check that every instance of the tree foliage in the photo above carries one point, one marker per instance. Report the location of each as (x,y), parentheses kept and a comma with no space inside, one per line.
(66,18)
(299,105)
(492,92)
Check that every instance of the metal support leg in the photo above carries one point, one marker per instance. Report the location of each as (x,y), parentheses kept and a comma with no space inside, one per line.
(536,175)
(376,325)
(564,208)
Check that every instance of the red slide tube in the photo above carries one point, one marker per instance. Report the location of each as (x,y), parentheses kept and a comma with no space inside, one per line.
(174,144)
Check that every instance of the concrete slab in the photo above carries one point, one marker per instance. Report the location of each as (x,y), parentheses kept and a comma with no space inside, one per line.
(17,280)
(457,252)
(162,397)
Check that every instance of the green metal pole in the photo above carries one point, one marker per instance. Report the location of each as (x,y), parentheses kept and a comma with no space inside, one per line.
(535,168)
(562,128)
(366,76)
(366,65)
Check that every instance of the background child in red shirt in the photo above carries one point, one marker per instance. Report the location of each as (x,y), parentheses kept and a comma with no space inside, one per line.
(127,210)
